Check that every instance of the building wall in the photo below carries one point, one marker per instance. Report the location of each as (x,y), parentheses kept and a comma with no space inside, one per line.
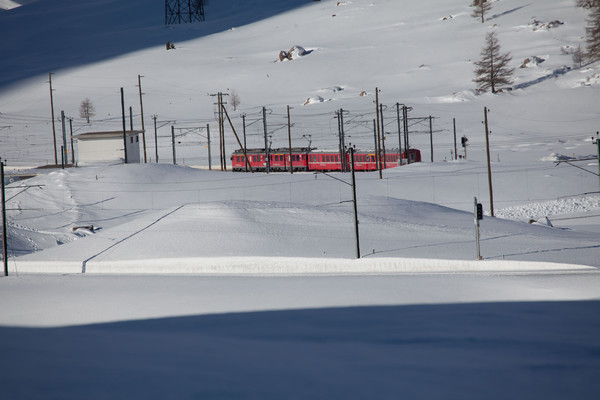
(107,150)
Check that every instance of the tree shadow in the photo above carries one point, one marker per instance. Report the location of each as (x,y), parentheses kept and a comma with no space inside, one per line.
(554,74)
(507,12)
(521,350)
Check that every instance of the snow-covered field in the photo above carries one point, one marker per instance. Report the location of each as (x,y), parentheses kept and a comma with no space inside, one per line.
(166,281)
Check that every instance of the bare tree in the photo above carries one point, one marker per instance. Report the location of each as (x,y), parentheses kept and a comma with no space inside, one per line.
(235,99)
(578,56)
(592,31)
(480,9)
(492,70)
(87,110)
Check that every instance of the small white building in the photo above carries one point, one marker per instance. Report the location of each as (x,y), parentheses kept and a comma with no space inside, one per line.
(107,147)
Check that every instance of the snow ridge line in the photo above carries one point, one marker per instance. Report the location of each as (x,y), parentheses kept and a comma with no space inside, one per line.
(296,266)
(85,262)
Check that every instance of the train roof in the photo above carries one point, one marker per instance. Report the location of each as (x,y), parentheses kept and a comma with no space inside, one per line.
(285,150)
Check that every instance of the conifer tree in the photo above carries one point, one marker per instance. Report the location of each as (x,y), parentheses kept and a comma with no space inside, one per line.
(492,70)
(592,31)
(480,9)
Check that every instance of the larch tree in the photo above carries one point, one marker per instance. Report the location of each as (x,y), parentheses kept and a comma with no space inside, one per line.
(480,9)
(586,3)
(592,31)
(87,110)
(492,70)
(578,57)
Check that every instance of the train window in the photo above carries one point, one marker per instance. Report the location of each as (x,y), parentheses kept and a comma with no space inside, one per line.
(336,158)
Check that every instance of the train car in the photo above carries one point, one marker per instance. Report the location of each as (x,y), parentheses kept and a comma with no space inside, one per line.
(256,158)
(279,160)
(413,154)
(364,161)
(324,161)
(305,159)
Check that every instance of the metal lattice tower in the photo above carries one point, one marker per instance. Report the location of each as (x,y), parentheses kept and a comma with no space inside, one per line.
(178,11)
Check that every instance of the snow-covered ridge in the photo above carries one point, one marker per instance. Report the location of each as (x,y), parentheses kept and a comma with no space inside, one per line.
(285,266)
(569,205)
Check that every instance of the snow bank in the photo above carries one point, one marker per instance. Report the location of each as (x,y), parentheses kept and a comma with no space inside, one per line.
(288,266)
(570,205)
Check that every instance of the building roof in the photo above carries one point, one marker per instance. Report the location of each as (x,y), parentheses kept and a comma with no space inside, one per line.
(105,135)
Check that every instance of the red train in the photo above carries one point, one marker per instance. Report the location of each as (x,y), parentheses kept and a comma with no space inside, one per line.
(305,159)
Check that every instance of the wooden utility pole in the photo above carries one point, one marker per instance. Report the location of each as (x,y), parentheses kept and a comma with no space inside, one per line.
(455,149)
(130,118)
(354,201)
(399,132)
(173,144)
(238,140)
(341,140)
(267,161)
(209,155)
(375,142)
(431,136)
(222,133)
(72,145)
(487,150)
(597,143)
(289,140)
(64,138)
(383,136)
(53,125)
(378,148)
(244,133)
(406,142)
(221,121)
(4,223)
(142,117)
(154,117)
(124,125)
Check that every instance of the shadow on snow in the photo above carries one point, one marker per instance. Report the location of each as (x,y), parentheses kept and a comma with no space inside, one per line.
(548,350)
(67,33)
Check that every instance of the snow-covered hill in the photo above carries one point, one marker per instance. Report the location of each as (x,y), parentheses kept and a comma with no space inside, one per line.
(419,56)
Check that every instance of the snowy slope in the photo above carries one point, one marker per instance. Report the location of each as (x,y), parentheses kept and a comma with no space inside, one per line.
(412,54)
(421,56)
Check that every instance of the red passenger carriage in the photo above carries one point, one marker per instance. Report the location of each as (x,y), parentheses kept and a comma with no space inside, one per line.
(305,159)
